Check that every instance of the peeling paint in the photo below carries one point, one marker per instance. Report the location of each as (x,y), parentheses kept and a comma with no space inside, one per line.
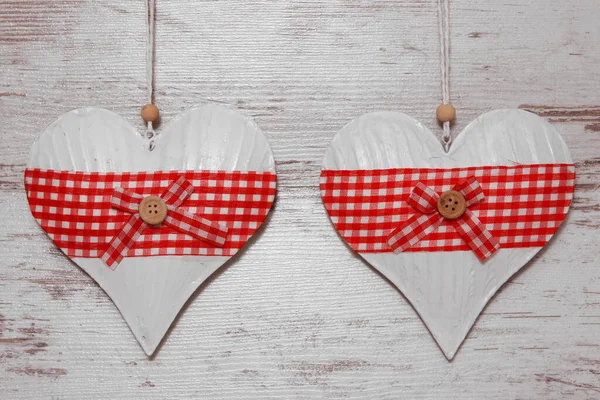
(40,372)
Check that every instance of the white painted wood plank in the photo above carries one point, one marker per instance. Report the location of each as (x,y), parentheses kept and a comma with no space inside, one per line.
(298,316)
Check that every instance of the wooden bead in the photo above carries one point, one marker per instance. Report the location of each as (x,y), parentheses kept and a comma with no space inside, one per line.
(150,113)
(452,204)
(446,113)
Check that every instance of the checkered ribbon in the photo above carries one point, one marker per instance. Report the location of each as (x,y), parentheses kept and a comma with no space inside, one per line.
(523,208)
(178,219)
(468,226)
(74,208)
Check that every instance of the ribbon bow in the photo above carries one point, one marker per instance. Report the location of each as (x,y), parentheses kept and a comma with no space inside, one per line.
(208,231)
(468,226)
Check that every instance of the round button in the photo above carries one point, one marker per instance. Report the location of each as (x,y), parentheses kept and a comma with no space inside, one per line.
(452,204)
(153,210)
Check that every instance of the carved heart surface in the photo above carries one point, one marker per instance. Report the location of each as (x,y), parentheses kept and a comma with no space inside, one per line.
(222,153)
(527,176)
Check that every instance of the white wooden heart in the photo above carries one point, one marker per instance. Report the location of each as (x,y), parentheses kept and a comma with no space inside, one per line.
(150,291)
(447,289)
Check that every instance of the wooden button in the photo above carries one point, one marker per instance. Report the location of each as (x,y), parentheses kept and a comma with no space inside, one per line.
(452,204)
(150,113)
(153,210)
(446,113)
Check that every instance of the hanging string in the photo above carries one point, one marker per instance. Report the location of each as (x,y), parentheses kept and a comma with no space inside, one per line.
(444,32)
(150,10)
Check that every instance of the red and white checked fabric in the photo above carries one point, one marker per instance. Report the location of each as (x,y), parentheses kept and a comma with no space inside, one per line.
(468,226)
(178,219)
(75,209)
(523,206)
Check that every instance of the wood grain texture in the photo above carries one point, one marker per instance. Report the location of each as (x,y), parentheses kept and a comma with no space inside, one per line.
(298,316)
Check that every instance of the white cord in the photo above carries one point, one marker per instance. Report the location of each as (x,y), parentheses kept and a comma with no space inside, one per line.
(150,9)
(444,31)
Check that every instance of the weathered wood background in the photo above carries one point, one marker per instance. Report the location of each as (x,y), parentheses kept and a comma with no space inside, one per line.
(298,316)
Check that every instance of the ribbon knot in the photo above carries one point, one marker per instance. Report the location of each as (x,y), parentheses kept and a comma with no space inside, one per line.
(425,200)
(176,218)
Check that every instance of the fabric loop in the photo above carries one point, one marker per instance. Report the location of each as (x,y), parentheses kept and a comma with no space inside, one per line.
(423,198)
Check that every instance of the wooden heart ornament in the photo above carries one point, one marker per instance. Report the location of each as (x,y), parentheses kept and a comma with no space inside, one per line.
(150,226)
(448,229)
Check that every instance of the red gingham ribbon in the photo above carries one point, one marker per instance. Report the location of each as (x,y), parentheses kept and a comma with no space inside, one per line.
(177,218)
(468,226)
